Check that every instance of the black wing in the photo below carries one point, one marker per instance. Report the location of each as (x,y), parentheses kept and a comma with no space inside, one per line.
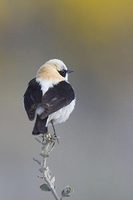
(56,98)
(32,98)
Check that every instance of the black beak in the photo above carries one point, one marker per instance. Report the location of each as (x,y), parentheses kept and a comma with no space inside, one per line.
(69,71)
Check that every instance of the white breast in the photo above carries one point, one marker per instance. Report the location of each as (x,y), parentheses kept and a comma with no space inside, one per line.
(62,115)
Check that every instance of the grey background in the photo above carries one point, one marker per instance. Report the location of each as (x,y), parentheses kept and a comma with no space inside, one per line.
(96,143)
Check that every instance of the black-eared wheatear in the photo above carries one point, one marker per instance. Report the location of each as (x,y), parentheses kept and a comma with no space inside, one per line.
(49,97)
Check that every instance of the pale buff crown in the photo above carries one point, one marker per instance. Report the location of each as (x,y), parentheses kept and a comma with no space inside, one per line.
(50,70)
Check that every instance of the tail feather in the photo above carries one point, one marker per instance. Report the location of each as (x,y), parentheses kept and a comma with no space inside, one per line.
(40,126)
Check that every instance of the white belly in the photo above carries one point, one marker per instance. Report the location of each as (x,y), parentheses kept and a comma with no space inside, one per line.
(62,115)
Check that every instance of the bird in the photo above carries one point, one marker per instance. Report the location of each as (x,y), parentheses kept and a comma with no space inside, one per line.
(49,97)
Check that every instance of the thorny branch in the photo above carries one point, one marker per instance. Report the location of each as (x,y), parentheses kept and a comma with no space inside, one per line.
(47,144)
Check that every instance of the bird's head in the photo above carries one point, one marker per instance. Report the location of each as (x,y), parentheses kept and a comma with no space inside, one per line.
(54,69)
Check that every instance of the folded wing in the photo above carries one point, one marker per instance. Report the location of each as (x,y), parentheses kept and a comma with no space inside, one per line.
(56,98)
(32,98)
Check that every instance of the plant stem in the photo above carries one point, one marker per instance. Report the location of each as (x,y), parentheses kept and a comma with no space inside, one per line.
(45,176)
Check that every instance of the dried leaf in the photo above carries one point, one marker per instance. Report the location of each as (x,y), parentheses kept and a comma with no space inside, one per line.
(45,187)
(67,191)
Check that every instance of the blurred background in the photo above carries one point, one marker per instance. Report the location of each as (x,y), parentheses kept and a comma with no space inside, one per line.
(95,39)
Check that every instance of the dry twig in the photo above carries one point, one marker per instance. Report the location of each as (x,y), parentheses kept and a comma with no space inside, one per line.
(47,144)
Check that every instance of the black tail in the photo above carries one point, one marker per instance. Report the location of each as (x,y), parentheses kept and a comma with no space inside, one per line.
(40,126)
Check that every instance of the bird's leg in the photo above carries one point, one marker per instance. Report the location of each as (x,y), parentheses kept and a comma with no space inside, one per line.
(54,131)
(43,137)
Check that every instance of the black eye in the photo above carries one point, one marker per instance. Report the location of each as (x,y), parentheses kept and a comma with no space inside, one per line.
(63,72)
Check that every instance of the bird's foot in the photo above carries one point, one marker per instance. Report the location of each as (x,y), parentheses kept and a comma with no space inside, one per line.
(49,138)
(56,138)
